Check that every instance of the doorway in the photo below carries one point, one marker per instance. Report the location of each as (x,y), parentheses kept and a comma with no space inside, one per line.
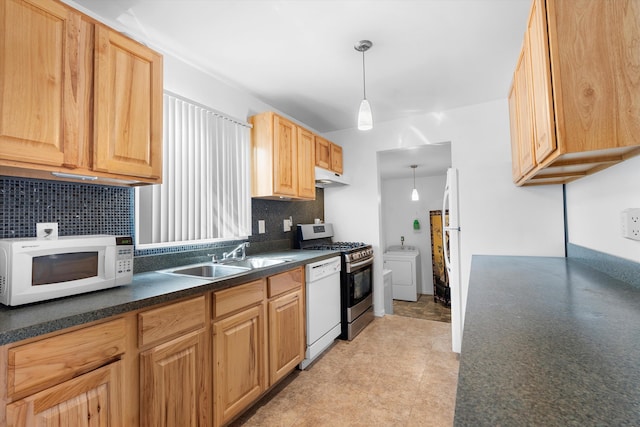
(406,222)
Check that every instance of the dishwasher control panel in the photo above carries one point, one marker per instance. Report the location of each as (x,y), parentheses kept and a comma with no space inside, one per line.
(319,269)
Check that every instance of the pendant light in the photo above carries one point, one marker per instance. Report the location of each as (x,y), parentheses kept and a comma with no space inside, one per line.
(365,119)
(414,194)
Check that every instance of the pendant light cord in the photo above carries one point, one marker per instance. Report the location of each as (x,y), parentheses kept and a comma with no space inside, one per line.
(364,83)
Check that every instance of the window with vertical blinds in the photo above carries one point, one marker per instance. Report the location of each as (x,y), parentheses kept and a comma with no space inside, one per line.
(205,190)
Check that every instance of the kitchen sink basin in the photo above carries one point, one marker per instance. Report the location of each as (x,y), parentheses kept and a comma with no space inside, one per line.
(228,267)
(208,270)
(253,262)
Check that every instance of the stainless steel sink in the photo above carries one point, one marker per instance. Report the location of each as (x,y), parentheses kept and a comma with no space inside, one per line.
(253,262)
(207,270)
(228,267)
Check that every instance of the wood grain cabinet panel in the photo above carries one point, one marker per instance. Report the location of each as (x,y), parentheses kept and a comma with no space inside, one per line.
(282,157)
(328,155)
(585,78)
(522,134)
(323,153)
(94,399)
(42,92)
(286,334)
(336,158)
(165,322)
(128,107)
(46,362)
(239,351)
(76,97)
(173,383)
(306,159)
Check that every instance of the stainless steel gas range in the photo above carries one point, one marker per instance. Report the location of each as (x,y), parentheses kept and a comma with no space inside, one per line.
(356,277)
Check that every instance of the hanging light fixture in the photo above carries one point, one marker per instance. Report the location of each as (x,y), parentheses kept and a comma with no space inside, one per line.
(414,194)
(365,119)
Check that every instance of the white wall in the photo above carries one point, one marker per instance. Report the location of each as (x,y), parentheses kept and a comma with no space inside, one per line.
(594,204)
(398,213)
(495,216)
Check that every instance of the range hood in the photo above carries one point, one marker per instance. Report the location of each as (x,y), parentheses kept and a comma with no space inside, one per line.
(326,178)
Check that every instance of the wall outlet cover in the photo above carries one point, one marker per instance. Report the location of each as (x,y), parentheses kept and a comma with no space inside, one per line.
(630,223)
(261,226)
(47,230)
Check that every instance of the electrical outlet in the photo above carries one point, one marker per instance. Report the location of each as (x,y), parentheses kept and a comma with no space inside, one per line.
(286,224)
(47,230)
(630,223)
(261,227)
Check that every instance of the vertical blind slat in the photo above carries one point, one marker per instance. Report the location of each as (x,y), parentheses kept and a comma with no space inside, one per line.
(205,190)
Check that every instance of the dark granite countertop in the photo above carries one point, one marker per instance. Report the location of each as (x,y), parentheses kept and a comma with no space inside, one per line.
(147,289)
(548,342)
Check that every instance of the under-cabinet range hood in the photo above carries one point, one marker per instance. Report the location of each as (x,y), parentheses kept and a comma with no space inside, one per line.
(326,178)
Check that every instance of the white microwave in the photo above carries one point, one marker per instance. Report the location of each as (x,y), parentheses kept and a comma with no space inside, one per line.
(34,270)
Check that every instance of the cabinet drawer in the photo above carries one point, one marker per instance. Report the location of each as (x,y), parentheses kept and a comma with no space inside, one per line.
(233,299)
(285,282)
(161,323)
(43,363)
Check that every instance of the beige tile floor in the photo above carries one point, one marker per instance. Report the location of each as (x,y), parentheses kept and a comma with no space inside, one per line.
(399,371)
(424,308)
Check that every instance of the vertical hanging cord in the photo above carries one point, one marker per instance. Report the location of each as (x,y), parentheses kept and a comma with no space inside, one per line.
(364,84)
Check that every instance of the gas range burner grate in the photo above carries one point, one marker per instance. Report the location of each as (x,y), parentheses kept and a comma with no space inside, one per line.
(338,246)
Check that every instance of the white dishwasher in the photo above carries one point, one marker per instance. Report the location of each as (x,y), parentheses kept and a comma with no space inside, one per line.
(323,307)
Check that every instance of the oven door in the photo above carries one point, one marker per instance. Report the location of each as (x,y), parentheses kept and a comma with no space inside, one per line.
(359,281)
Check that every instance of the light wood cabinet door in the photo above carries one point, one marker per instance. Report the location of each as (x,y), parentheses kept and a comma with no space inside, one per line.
(513,127)
(128,107)
(285,154)
(286,334)
(306,164)
(328,155)
(90,400)
(173,383)
(42,90)
(524,114)
(336,158)
(323,153)
(543,119)
(239,350)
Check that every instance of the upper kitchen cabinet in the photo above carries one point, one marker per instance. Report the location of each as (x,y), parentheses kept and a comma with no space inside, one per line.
(584,86)
(127,107)
(520,111)
(76,98)
(283,158)
(328,155)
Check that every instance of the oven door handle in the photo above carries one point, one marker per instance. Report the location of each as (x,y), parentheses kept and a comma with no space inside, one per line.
(355,266)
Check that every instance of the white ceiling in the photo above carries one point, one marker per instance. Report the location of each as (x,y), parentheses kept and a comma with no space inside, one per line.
(298,55)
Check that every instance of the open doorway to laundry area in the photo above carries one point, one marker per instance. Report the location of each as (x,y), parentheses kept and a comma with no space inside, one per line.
(411,230)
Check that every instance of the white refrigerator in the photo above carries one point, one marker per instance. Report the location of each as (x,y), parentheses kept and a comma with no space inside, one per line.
(451,247)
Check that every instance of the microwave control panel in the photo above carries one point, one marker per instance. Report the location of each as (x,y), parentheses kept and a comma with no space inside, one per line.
(124,260)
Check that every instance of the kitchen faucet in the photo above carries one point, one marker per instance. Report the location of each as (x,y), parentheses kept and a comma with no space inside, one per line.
(241,247)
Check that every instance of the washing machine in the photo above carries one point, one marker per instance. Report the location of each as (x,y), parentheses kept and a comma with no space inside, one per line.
(404,263)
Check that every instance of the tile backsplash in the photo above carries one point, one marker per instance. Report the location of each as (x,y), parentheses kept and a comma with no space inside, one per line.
(77,208)
(96,209)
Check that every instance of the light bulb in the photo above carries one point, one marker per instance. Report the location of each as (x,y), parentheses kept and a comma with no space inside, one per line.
(414,195)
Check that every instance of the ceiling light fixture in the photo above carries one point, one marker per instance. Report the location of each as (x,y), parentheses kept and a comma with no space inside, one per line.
(414,194)
(365,119)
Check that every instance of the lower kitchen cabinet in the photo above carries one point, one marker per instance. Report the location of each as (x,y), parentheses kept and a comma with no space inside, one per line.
(172,383)
(239,349)
(92,399)
(286,324)
(200,361)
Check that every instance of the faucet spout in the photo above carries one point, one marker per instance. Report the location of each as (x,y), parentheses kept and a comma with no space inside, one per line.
(242,248)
